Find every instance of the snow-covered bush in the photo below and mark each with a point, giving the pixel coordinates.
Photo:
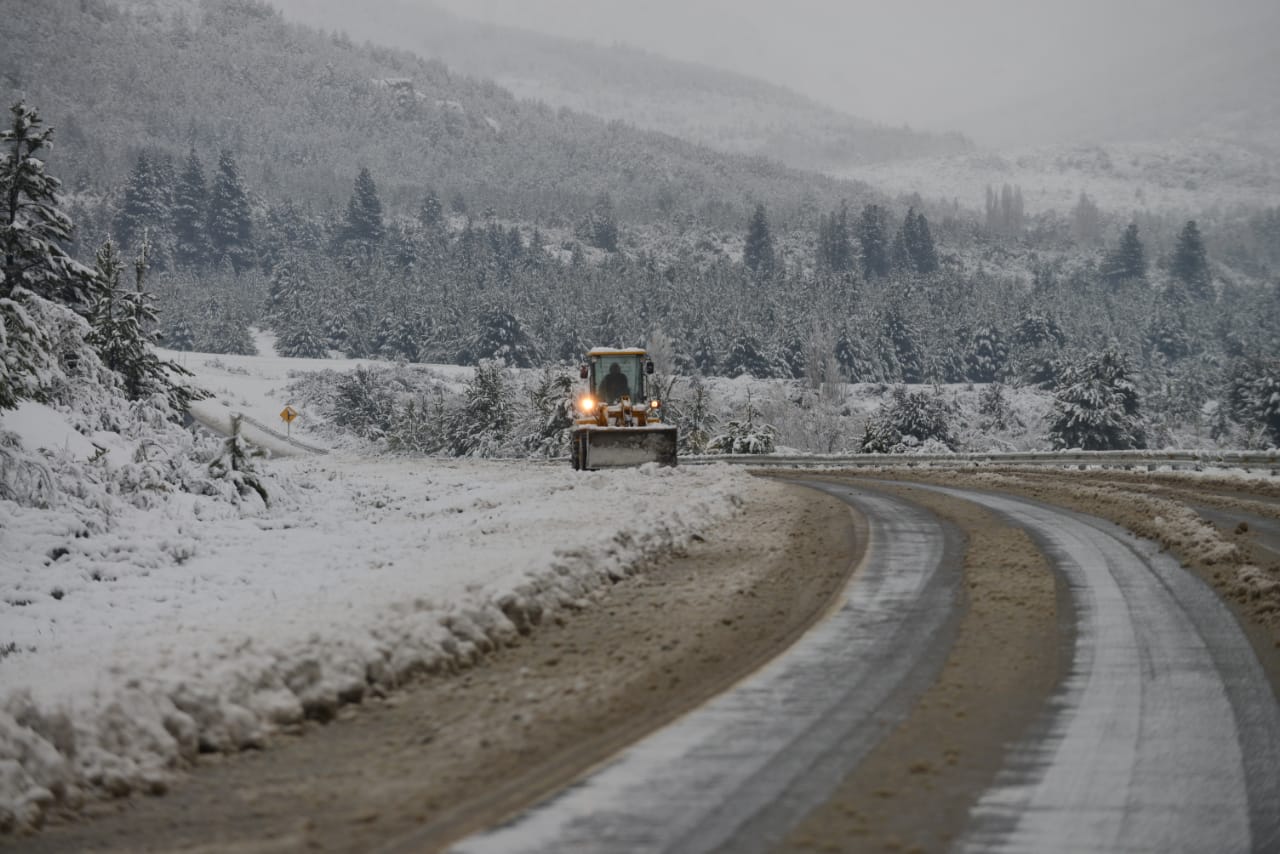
(745, 435)
(483, 424)
(997, 413)
(1253, 393)
(907, 420)
(363, 403)
(1096, 406)
(552, 399)
(691, 412)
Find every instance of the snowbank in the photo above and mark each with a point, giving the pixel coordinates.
(199, 626)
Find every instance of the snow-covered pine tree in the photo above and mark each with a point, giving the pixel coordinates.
(835, 248)
(1128, 262)
(230, 227)
(918, 243)
(757, 250)
(300, 337)
(994, 407)
(1190, 263)
(179, 335)
(600, 228)
(745, 435)
(190, 215)
(901, 334)
(37, 276)
(32, 228)
(363, 228)
(363, 403)
(1096, 407)
(123, 323)
(500, 335)
(482, 427)
(145, 207)
(745, 359)
(873, 237)
(552, 400)
(988, 355)
(1086, 221)
(402, 342)
(288, 291)
(908, 419)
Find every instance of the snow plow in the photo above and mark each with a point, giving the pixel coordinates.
(617, 422)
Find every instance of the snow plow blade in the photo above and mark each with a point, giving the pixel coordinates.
(618, 447)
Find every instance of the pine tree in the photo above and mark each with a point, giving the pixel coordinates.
(757, 251)
(873, 237)
(1086, 221)
(364, 226)
(600, 227)
(35, 265)
(123, 332)
(835, 249)
(32, 228)
(987, 357)
(918, 243)
(1190, 263)
(745, 359)
(230, 226)
(289, 292)
(190, 216)
(1129, 260)
(501, 336)
(483, 425)
(302, 338)
(1096, 406)
(145, 208)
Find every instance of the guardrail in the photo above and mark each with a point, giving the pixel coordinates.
(1151, 460)
(240, 417)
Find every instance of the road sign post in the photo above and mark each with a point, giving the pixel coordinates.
(288, 414)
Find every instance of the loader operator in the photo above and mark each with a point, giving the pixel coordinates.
(614, 385)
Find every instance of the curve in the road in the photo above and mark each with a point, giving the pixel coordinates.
(738, 772)
(1165, 735)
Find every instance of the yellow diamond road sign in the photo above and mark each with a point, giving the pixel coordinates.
(288, 414)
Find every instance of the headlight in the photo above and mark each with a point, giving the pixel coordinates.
(654, 404)
(586, 404)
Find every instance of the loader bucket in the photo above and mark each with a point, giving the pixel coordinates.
(617, 447)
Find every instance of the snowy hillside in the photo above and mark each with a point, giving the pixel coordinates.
(1169, 176)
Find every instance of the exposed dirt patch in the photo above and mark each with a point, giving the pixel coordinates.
(454, 753)
(914, 791)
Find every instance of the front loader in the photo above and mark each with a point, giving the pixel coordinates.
(617, 423)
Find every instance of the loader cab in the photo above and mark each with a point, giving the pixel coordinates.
(613, 374)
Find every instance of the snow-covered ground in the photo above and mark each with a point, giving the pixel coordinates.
(1172, 175)
(128, 644)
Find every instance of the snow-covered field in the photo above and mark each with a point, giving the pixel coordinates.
(128, 645)
(1181, 175)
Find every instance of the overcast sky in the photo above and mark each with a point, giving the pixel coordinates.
(929, 63)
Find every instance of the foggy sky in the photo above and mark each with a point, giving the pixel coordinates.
(939, 64)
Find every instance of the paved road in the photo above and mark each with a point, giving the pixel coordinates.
(1163, 736)
(739, 772)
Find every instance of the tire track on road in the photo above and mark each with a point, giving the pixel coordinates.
(1164, 735)
(739, 772)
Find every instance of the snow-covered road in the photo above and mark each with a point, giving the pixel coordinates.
(1165, 735)
(739, 772)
